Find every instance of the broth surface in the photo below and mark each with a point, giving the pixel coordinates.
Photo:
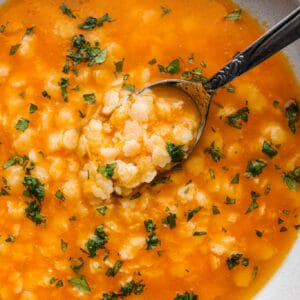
(83, 213)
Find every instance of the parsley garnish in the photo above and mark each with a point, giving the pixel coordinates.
(175, 151)
(15, 160)
(292, 113)
(234, 15)
(10, 239)
(81, 284)
(236, 119)
(215, 152)
(259, 233)
(35, 189)
(215, 210)
(60, 195)
(108, 170)
(170, 220)
(235, 179)
(29, 30)
(33, 212)
(102, 210)
(268, 149)
(2, 28)
(149, 225)
(64, 83)
(165, 11)
(46, 95)
(14, 49)
(136, 288)
(67, 11)
(66, 68)
(172, 68)
(92, 22)
(254, 203)
(190, 214)
(22, 124)
(199, 233)
(89, 98)
(118, 67)
(103, 19)
(32, 108)
(63, 245)
(135, 196)
(255, 168)
(152, 61)
(97, 241)
(186, 296)
(129, 87)
(111, 272)
(230, 89)
(230, 200)
(152, 241)
(76, 264)
(233, 260)
(291, 178)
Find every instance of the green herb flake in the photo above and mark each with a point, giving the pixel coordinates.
(254, 204)
(275, 103)
(103, 19)
(235, 120)
(33, 108)
(212, 174)
(128, 87)
(33, 212)
(29, 30)
(175, 151)
(215, 210)
(89, 98)
(165, 11)
(59, 283)
(199, 233)
(259, 233)
(60, 195)
(52, 280)
(233, 260)
(102, 210)
(234, 15)
(268, 149)
(186, 296)
(108, 170)
(35, 189)
(255, 168)
(192, 212)
(63, 245)
(160, 180)
(76, 264)
(292, 178)
(283, 229)
(14, 49)
(22, 124)
(15, 160)
(81, 114)
(46, 95)
(267, 189)
(2, 28)
(191, 58)
(245, 262)
(235, 179)
(67, 11)
(149, 225)
(214, 151)
(10, 239)
(230, 200)
(172, 68)
(292, 114)
(64, 83)
(152, 61)
(135, 196)
(66, 67)
(254, 272)
(170, 220)
(97, 241)
(230, 89)
(89, 23)
(118, 67)
(152, 241)
(111, 272)
(81, 284)
(136, 288)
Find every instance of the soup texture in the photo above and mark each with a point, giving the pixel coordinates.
(87, 208)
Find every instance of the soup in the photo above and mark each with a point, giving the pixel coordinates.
(87, 208)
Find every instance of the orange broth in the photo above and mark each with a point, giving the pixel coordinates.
(217, 227)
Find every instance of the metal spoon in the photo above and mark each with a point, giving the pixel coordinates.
(279, 36)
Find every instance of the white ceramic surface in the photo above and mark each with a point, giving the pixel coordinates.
(285, 283)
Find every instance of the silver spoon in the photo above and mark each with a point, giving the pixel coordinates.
(279, 36)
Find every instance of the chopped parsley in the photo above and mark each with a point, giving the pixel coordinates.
(63, 245)
(64, 83)
(215, 152)
(259, 233)
(230, 89)
(212, 174)
(76, 264)
(175, 151)
(33, 212)
(135, 196)
(255, 168)
(129, 87)
(35, 189)
(170, 220)
(32, 108)
(172, 68)
(22, 124)
(131, 287)
(92, 22)
(118, 67)
(165, 10)
(14, 49)
(111, 272)
(234, 15)
(235, 120)
(102, 210)
(89, 98)
(60, 195)
(149, 225)
(253, 205)
(97, 241)
(234, 260)
(152, 241)
(81, 284)
(186, 296)
(15, 160)
(194, 75)
(67, 11)
(292, 114)
(235, 179)
(160, 180)
(292, 178)
(199, 233)
(268, 149)
(108, 170)
(152, 61)
(192, 212)
(29, 30)
(2, 28)
(45, 94)
(215, 210)
(10, 239)
(66, 67)
(230, 200)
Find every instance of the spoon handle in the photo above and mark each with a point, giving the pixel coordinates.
(282, 34)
